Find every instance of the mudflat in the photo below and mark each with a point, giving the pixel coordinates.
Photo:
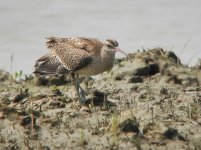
(152, 103)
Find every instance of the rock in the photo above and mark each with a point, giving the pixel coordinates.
(135, 79)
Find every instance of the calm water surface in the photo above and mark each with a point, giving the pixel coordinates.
(170, 24)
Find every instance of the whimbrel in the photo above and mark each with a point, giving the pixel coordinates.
(80, 56)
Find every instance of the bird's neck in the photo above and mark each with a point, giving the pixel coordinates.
(108, 58)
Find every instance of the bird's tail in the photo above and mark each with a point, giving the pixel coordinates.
(49, 65)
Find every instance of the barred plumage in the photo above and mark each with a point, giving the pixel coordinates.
(81, 56)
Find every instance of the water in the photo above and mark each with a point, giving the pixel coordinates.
(170, 24)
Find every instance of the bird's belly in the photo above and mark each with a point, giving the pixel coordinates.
(96, 67)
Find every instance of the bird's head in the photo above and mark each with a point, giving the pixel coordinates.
(112, 45)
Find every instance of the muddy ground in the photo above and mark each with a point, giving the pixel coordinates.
(152, 103)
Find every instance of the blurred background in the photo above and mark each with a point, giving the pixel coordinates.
(171, 24)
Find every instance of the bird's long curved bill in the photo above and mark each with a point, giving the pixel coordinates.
(119, 50)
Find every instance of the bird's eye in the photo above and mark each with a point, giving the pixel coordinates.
(110, 46)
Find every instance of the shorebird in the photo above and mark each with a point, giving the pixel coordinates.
(79, 56)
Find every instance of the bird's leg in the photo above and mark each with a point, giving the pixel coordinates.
(74, 79)
(80, 91)
(86, 82)
(77, 89)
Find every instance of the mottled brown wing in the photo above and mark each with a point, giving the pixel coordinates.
(49, 65)
(72, 58)
(91, 45)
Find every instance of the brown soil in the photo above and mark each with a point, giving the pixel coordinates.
(152, 103)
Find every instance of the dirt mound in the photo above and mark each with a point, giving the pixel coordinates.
(152, 103)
